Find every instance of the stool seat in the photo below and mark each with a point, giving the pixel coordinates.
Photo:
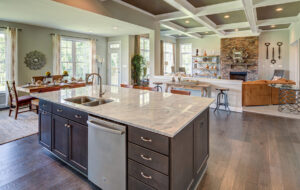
(222, 89)
(158, 83)
(157, 86)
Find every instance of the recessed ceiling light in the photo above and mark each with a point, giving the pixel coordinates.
(226, 16)
(279, 9)
(187, 21)
(115, 28)
(273, 26)
(206, 32)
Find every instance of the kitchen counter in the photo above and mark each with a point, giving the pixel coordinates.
(163, 113)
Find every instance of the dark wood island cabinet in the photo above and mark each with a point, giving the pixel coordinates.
(154, 161)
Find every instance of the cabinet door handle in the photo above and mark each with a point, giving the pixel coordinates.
(146, 158)
(146, 177)
(66, 125)
(43, 112)
(146, 139)
(59, 110)
(77, 116)
(69, 126)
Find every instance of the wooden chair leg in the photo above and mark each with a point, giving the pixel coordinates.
(37, 109)
(30, 106)
(10, 110)
(16, 114)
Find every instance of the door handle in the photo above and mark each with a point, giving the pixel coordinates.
(110, 130)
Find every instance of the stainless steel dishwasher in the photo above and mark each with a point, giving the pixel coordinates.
(106, 154)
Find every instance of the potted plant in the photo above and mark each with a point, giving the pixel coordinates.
(137, 68)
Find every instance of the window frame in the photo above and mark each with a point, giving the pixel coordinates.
(74, 54)
(5, 60)
(171, 54)
(186, 53)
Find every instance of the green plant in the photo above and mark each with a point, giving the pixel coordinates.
(137, 67)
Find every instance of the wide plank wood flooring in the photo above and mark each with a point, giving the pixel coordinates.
(247, 151)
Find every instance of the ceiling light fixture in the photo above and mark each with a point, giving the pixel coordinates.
(226, 16)
(279, 9)
(273, 26)
(187, 21)
(206, 32)
(115, 28)
(236, 29)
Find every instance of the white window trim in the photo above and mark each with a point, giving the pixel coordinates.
(181, 53)
(109, 61)
(74, 40)
(171, 53)
(2, 31)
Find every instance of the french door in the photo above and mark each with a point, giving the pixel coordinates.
(114, 60)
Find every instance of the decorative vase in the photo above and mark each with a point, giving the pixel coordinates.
(205, 54)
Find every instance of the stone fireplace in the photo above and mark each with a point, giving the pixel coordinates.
(249, 66)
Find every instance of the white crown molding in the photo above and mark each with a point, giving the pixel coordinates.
(265, 3)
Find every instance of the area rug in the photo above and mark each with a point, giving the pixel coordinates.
(11, 129)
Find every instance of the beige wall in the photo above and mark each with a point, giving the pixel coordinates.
(265, 67)
(38, 38)
(295, 32)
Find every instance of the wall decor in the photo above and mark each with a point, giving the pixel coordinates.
(273, 61)
(238, 55)
(279, 49)
(35, 60)
(267, 54)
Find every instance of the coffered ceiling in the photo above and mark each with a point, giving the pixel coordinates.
(198, 18)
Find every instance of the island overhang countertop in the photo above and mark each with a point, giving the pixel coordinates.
(161, 113)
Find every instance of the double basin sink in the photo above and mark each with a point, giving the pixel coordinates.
(88, 101)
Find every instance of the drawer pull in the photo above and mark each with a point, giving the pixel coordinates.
(44, 105)
(146, 139)
(66, 125)
(59, 110)
(146, 177)
(78, 116)
(44, 112)
(145, 158)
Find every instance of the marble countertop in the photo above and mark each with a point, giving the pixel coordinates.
(162, 113)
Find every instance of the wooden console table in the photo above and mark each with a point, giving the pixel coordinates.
(203, 87)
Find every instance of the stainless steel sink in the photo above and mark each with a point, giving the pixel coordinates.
(88, 101)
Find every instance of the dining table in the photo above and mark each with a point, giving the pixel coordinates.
(34, 88)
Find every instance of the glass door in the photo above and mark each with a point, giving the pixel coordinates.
(115, 63)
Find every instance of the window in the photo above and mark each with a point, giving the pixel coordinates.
(145, 51)
(186, 57)
(168, 58)
(3, 69)
(75, 57)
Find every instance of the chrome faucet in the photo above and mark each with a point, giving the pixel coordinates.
(87, 76)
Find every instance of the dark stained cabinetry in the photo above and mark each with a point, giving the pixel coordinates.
(159, 162)
(45, 129)
(64, 131)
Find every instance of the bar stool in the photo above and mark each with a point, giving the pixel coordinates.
(157, 86)
(222, 95)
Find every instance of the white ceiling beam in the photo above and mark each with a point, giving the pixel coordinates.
(264, 3)
(244, 33)
(179, 29)
(188, 9)
(220, 8)
(233, 26)
(171, 16)
(276, 21)
(197, 29)
(250, 12)
(169, 32)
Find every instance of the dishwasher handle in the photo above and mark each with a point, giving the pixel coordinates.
(103, 128)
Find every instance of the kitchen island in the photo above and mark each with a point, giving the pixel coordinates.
(167, 136)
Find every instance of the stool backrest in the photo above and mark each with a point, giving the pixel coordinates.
(181, 92)
(144, 88)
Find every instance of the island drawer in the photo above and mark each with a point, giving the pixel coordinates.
(149, 158)
(151, 177)
(134, 184)
(69, 113)
(44, 105)
(153, 141)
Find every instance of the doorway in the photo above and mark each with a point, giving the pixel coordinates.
(114, 60)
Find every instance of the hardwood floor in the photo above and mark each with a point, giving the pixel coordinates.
(247, 151)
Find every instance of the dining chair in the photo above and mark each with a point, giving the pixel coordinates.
(126, 86)
(181, 92)
(16, 102)
(144, 88)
